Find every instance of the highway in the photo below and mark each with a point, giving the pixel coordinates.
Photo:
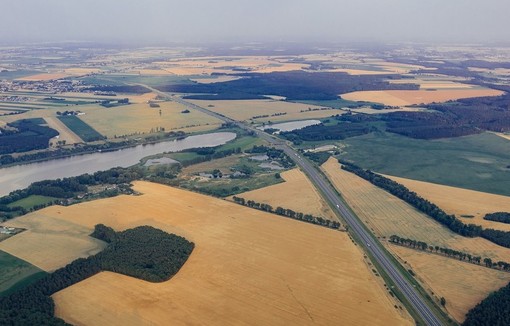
(370, 243)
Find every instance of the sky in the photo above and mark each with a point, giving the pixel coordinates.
(201, 21)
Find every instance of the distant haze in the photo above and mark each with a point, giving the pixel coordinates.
(165, 21)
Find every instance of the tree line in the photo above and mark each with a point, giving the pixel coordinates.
(499, 237)
(67, 188)
(423, 246)
(288, 213)
(143, 252)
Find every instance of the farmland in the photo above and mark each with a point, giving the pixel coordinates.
(296, 185)
(387, 215)
(476, 162)
(469, 205)
(141, 118)
(410, 97)
(245, 262)
(49, 242)
(265, 110)
(463, 285)
(80, 128)
(208, 65)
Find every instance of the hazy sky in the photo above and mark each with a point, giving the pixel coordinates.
(160, 21)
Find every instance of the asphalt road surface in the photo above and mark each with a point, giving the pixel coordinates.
(371, 244)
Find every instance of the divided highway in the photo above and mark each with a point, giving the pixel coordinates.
(371, 244)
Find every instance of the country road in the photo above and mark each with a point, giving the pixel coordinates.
(372, 245)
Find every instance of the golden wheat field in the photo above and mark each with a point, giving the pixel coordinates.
(50, 242)
(248, 267)
(209, 65)
(410, 97)
(387, 215)
(458, 201)
(247, 109)
(462, 284)
(140, 117)
(296, 193)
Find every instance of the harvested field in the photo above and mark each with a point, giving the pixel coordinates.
(387, 215)
(460, 201)
(248, 267)
(246, 109)
(408, 97)
(296, 193)
(368, 110)
(506, 136)
(65, 134)
(49, 242)
(218, 79)
(133, 118)
(209, 65)
(434, 83)
(45, 76)
(462, 284)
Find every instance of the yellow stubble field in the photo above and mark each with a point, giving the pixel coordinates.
(140, 117)
(248, 267)
(460, 201)
(209, 65)
(387, 215)
(49, 241)
(462, 284)
(410, 97)
(242, 110)
(296, 193)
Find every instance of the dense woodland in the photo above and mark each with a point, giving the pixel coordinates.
(453, 119)
(501, 238)
(320, 132)
(503, 217)
(25, 135)
(294, 85)
(143, 252)
(493, 310)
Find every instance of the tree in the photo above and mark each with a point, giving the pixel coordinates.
(443, 301)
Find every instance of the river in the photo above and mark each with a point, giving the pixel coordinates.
(21, 176)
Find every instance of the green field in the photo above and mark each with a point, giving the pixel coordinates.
(32, 201)
(478, 162)
(227, 187)
(16, 273)
(121, 80)
(9, 75)
(83, 130)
